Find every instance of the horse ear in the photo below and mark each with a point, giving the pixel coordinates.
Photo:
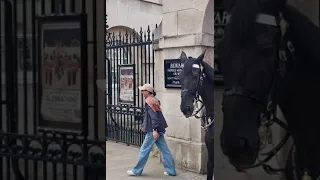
(183, 56)
(201, 57)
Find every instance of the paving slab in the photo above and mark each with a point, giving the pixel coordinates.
(121, 158)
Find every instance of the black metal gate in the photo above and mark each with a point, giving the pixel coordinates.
(28, 152)
(130, 52)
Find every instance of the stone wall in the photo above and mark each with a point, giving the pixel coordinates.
(133, 13)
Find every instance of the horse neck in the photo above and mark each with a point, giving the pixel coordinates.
(207, 96)
(209, 72)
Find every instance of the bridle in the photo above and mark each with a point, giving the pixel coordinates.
(268, 117)
(206, 120)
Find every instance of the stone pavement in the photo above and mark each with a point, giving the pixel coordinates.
(121, 158)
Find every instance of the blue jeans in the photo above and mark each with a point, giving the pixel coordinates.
(145, 150)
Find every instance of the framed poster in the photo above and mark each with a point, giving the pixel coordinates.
(62, 48)
(127, 87)
(172, 69)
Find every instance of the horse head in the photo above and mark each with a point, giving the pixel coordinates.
(191, 80)
(249, 60)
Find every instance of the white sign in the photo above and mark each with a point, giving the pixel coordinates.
(64, 106)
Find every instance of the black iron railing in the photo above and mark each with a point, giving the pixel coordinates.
(28, 152)
(133, 51)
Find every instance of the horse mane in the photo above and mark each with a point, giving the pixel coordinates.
(209, 71)
(304, 34)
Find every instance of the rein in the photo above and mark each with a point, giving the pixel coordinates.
(268, 117)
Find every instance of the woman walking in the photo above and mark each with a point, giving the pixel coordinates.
(154, 125)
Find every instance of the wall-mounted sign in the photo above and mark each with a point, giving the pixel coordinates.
(220, 20)
(127, 83)
(172, 69)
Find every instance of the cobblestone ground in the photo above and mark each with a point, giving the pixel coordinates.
(121, 158)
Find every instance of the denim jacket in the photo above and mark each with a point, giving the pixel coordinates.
(153, 119)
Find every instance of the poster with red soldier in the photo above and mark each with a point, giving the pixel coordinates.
(126, 75)
(61, 73)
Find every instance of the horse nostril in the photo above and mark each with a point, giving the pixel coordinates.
(185, 109)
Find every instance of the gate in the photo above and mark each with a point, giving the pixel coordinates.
(35, 144)
(130, 63)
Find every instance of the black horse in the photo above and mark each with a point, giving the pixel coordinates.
(265, 63)
(196, 79)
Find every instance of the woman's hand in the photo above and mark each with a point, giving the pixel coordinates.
(155, 135)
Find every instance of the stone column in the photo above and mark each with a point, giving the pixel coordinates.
(186, 26)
